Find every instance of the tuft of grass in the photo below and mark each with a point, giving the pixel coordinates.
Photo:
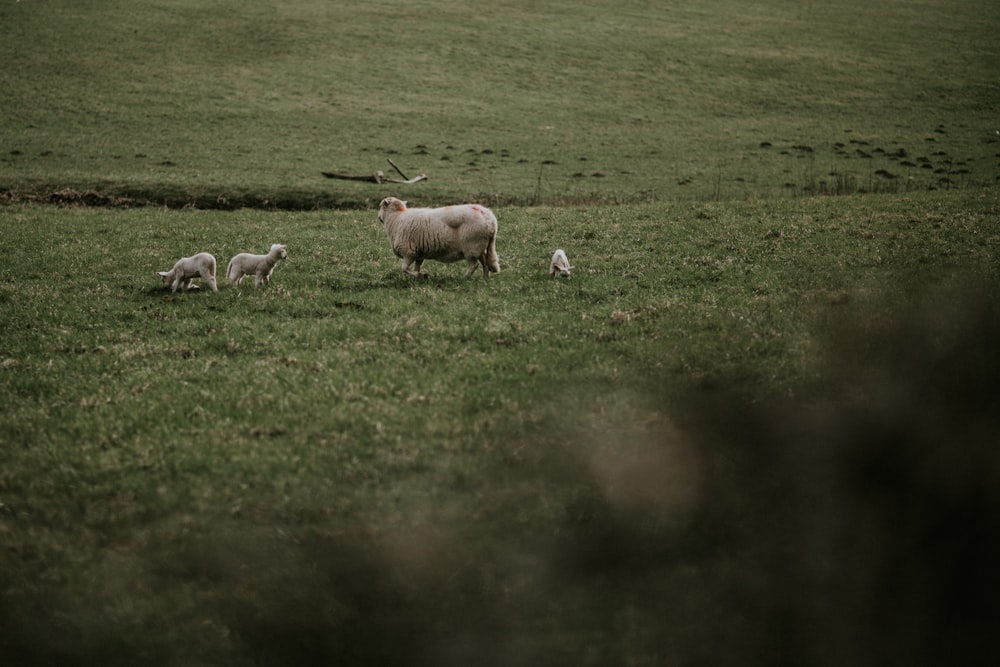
(350, 465)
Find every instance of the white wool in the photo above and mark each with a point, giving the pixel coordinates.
(260, 266)
(559, 264)
(186, 268)
(447, 234)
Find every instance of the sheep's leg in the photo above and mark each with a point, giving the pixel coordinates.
(407, 262)
(472, 266)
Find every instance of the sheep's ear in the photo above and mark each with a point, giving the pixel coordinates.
(162, 274)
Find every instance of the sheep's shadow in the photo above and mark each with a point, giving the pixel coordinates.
(161, 293)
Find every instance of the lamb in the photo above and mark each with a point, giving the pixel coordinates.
(261, 266)
(186, 268)
(447, 234)
(560, 264)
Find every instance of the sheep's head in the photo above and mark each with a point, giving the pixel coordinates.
(166, 276)
(279, 250)
(390, 204)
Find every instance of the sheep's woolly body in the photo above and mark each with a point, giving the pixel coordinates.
(186, 268)
(446, 234)
(260, 266)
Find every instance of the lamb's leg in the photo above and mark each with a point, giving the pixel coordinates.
(471, 267)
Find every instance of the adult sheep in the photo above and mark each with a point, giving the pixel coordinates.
(445, 234)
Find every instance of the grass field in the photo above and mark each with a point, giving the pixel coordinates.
(756, 426)
(352, 465)
(221, 104)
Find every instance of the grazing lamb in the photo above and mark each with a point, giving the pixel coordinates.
(560, 264)
(446, 234)
(261, 266)
(186, 268)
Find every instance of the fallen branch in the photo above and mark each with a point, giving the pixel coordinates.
(378, 177)
(399, 171)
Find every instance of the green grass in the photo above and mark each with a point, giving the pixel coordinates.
(756, 426)
(353, 465)
(221, 104)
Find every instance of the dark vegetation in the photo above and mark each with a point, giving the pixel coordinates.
(855, 166)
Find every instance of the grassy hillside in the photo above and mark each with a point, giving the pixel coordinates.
(228, 104)
(732, 420)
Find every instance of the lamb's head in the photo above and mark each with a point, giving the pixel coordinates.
(390, 205)
(560, 264)
(167, 277)
(279, 251)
